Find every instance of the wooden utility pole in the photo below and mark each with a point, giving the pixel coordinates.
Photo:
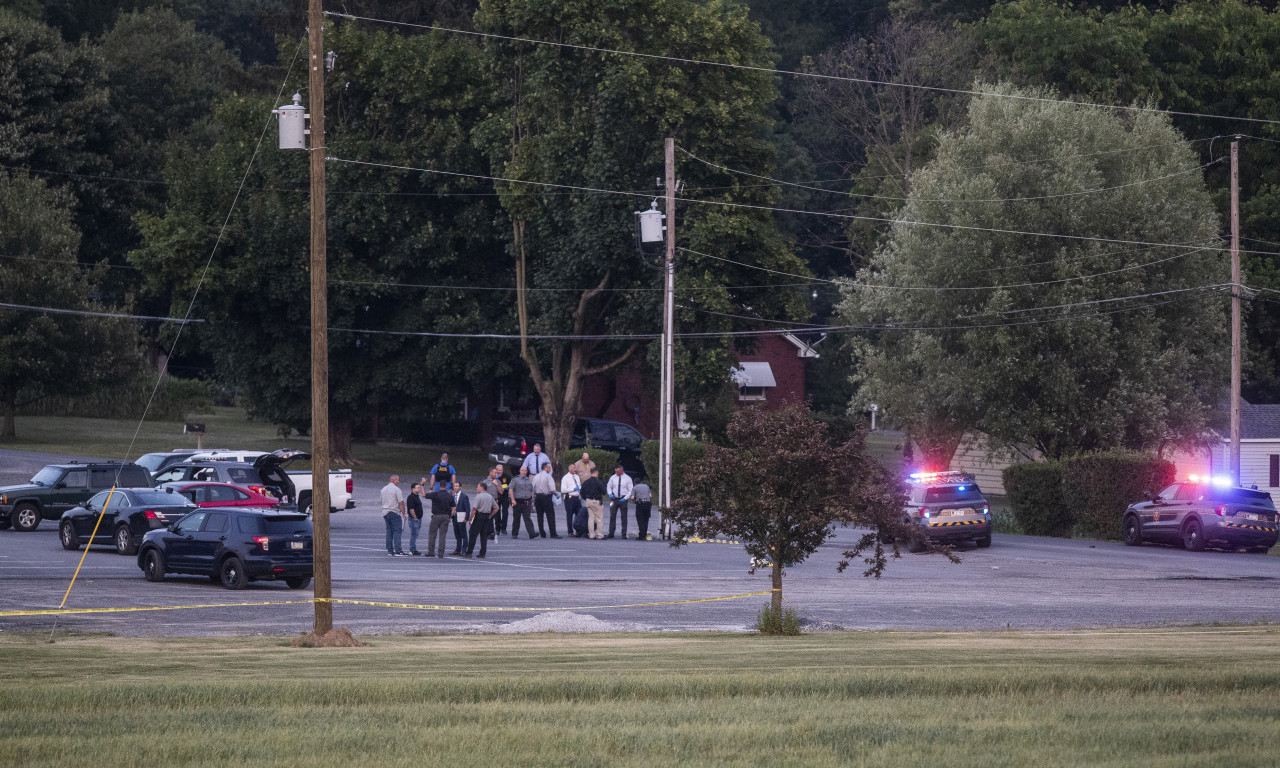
(319, 329)
(1235, 311)
(667, 427)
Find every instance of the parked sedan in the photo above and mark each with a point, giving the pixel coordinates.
(126, 515)
(234, 545)
(222, 495)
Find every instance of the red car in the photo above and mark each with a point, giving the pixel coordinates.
(222, 495)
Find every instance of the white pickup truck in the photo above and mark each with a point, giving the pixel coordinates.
(341, 486)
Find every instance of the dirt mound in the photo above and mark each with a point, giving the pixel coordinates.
(338, 637)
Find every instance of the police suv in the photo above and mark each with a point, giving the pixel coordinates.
(947, 507)
(1203, 511)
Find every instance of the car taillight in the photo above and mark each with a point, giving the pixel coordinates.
(262, 489)
(924, 511)
(1221, 510)
(524, 447)
(986, 510)
(262, 541)
(153, 515)
(351, 485)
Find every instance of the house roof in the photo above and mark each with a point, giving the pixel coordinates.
(1259, 422)
(802, 349)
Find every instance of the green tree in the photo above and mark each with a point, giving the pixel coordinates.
(1027, 338)
(586, 119)
(400, 100)
(45, 352)
(780, 485)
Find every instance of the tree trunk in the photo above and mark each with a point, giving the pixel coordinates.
(10, 403)
(776, 599)
(340, 440)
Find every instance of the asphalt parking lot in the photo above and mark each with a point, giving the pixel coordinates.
(1019, 583)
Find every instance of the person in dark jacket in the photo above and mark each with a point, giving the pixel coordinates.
(413, 504)
(593, 493)
(461, 511)
(441, 513)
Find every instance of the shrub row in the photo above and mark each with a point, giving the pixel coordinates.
(684, 451)
(605, 460)
(1082, 496)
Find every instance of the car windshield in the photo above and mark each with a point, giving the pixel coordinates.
(151, 461)
(1242, 496)
(945, 493)
(47, 476)
(161, 498)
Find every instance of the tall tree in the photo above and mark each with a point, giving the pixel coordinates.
(1030, 338)
(49, 352)
(402, 101)
(588, 120)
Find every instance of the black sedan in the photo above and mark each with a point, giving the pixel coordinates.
(126, 514)
(232, 545)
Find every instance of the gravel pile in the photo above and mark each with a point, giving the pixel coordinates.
(565, 621)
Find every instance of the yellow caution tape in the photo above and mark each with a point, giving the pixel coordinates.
(411, 606)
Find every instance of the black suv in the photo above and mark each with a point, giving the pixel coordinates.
(59, 487)
(1200, 512)
(233, 545)
(623, 439)
(947, 507)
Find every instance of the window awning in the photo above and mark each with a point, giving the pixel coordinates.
(754, 375)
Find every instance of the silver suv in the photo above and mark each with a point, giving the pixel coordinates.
(947, 507)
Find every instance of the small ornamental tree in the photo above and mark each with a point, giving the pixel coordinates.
(780, 486)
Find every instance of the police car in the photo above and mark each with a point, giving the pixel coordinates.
(1203, 512)
(947, 507)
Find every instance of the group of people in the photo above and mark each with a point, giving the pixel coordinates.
(439, 499)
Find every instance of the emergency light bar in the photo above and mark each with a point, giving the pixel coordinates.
(1222, 481)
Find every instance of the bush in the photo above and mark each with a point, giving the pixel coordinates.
(1035, 494)
(127, 398)
(770, 622)
(684, 451)
(605, 460)
(1101, 485)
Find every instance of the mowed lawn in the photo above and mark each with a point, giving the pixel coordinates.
(1189, 697)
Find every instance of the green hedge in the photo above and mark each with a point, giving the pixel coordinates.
(1102, 485)
(605, 460)
(1083, 496)
(1034, 492)
(684, 451)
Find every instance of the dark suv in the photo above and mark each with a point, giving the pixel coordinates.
(1200, 512)
(947, 507)
(510, 449)
(59, 487)
(232, 545)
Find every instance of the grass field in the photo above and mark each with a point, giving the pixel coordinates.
(227, 428)
(1191, 697)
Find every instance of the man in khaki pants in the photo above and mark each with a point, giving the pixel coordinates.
(593, 492)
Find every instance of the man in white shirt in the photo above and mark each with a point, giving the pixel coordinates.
(620, 488)
(570, 487)
(544, 486)
(394, 515)
(535, 461)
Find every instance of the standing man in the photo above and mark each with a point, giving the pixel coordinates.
(482, 513)
(504, 500)
(522, 494)
(569, 490)
(544, 486)
(593, 492)
(461, 513)
(535, 461)
(585, 465)
(442, 503)
(393, 515)
(620, 487)
(443, 474)
(644, 503)
(413, 505)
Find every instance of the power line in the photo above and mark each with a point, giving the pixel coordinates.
(794, 73)
(88, 313)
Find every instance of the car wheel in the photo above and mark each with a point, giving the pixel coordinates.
(983, 542)
(153, 565)
(231, 573)
(1132, 530)
(26, 517)
(67, 535)
(298, 582)
(304, 503)
(125, 543)
(1193, 536)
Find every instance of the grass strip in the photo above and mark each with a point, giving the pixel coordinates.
(1153, 698)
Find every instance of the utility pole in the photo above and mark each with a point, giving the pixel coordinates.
(667, 410)
(1235, 311)
(319, 329)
